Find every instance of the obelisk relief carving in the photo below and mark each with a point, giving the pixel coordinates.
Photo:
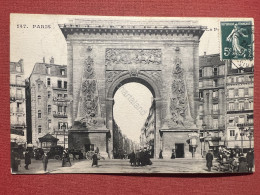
(89, 114)
(180, 116)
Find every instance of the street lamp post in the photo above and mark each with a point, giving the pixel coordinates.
(250, 137)
(204, 127)
(64, 128)
(241, 128)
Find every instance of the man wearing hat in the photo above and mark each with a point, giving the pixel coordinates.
(209, 159)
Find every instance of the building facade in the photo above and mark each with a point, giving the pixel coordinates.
(212, 108)
(17, 103)
(48, 103)
(147, 131)
(240, 105)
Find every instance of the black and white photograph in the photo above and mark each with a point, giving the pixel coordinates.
(137, 95)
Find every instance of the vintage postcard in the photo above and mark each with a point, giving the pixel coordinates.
(93, 94)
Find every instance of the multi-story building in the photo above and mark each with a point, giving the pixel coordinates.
(240, 91)
(17, 103)
(121, 144)
(147, 131)
(48, 103)
(212, 101)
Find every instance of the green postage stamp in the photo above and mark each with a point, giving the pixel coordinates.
(236, 40)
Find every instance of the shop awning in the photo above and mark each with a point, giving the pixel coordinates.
(48, 138)
(213, 143)
(17, 132)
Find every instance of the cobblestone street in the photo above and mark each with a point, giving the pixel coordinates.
(118, 166)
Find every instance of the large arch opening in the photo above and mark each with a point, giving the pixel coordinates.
(133, 117)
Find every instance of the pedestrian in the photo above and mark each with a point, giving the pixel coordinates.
(142, 157)
(95, 159)
(14, 160)
(137, 158)
(250, 160)
(242, 167)
(97, 150)
(65, 157)
(45, 161)
(27, 159)
(209, 159)
(132, 158)
(173, 154)
(160, 155)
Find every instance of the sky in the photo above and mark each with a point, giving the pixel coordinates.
(32, 44)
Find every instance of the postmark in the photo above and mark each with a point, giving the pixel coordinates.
(236, 40)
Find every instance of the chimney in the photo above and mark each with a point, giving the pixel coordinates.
(52, 60)
(43, 59)
(205, 54)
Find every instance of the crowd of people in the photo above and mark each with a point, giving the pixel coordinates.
(140, 158)
(232, 160)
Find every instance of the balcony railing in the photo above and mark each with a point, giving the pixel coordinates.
(59, 88)
(61, 99)
(245, 124)
(60, 115)
(18, 124)
(14, 98)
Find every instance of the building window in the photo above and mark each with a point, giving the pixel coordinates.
(62, 71)
(201, 73)
(215, 71)
(231, 106)
(200, 94)
(49, 94)
(48, 82)
(18, 80)
(39, 114)
(231, 93)
(232, 80)
(39, 99)
(65, 109)
(59, 84)
(49, 109)
(59, 95)
(241, 119)
(251, 105)
(60, 125)
(251, 91)
(241, 106)
(215, 123)
(232, 133)
(246, 104)
(39, 129)
(48, 70)
(19, 94)
(215, 83)
(49, 124)
(246, 91)
(215, 94)
(39, 87)
(241, 92)
(65, 95)
(59, 108)
(215, 107)
(65, 84)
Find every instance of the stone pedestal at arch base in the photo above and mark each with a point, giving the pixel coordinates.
(174, 136)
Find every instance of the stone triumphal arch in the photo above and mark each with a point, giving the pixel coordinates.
(104, 54)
